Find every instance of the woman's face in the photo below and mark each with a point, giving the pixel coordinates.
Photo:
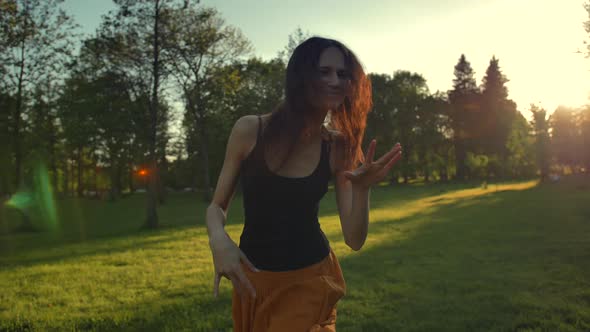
(332, 80)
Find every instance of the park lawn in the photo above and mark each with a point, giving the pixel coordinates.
(513, 256)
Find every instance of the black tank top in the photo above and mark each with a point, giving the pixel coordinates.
(281, 229)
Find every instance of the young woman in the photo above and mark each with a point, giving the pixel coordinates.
(285, 276)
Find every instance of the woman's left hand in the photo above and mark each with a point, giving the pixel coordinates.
(372, 172)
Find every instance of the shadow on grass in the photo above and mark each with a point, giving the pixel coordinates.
(503, 263)
(98, 246)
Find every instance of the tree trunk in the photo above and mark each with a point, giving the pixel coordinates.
(66, 179)
(52, 162)
(160, 182)
(17, 115)
(394, 179)
(152, 214)
(460, 160)
(151, 211)
(443, 174)
(130, 172)
(114, 191)
(95, 178)
(79, 172)
(207, 192)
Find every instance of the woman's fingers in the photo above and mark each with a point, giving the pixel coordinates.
(216, 284)
(245, 284)
(239, 280)
(371, 152)
(391, 162)
(236, 285)
(387, 157)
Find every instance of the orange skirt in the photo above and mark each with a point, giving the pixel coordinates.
(298, 300)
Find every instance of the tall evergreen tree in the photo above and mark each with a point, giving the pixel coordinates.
(498, 113)
(463, 100)
(541, 132)
(564, 136)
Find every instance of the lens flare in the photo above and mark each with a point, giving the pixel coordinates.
(37, 202)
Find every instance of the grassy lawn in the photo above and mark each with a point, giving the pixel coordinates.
(510, 257)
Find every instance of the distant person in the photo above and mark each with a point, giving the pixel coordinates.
(285, 276)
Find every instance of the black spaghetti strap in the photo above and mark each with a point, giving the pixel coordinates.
(259, 128)
(328, 141)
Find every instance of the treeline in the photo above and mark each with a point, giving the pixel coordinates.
(149, 99)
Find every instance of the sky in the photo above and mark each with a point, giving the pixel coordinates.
(536, 41)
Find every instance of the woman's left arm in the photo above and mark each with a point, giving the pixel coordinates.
(352, 193)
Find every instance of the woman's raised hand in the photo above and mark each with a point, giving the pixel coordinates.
(372, 172)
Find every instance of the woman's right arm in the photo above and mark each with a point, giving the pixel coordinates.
(227, 256)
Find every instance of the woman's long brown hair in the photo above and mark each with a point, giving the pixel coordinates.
(289, 121)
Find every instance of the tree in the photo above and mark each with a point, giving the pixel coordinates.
(584, 130)
(520, 146)
(6, 162)
(432, 136)
(541, 133)
(38, 40)
(44, 133)
(564, 137)
(113, 114)
(135, 38)
(295, 38)
(76, 113)
(498, 113)
(410, 92)
(464, 108)
(201, 46)
(251, 87)
(8, 15)
(381, 120)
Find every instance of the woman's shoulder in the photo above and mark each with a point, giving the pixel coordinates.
(245, 132)
(248, 124)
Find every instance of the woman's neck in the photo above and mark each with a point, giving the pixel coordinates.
(316, 127)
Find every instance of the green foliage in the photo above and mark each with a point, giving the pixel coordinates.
(6, 144)
(464, 112)
(36, 43)
(520, 162)
(564, 134)
(477, 164)
(295, 38)
(498, 112)
(405, 112)
(541, 131)
(201, 48)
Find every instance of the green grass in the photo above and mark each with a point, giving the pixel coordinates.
(512, 257)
